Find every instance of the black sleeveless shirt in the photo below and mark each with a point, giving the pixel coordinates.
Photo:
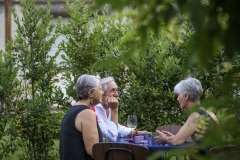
(71, 140)
(197, 136)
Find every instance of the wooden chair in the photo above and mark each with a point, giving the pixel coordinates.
(170, 128)
(224, 152)
(119, 151)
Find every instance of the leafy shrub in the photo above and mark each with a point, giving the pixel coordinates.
(36, 127)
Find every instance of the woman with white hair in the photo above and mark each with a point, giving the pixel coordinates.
(79, 127)
(189, 92)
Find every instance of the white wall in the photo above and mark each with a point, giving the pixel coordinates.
(2, 26)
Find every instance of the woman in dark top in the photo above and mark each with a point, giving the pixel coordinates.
(79, 128)
(189, 93)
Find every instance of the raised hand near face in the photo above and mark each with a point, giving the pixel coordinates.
(113, 103)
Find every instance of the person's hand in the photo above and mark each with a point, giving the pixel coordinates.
(167, 133)
(113, 103)
(144, 132)
(160, 138)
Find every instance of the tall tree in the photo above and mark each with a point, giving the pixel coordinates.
(37, 127)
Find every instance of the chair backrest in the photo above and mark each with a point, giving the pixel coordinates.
(170, 128)
(119, 151)
(225, 152)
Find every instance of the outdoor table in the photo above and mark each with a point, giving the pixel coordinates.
(154, 147)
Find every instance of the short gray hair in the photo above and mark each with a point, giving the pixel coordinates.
(85, 83)
(105, 81)
(192, 86)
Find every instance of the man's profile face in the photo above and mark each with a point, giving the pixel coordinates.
(112, 91)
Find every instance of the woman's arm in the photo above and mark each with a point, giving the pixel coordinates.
(185, 132)
(87, 125)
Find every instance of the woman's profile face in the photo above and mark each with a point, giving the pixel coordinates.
(182, 99)
(97, 94)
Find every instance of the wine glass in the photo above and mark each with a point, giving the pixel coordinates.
(132, 122)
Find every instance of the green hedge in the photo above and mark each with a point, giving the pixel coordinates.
(146, 66)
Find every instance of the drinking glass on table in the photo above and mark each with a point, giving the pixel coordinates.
(132, 122)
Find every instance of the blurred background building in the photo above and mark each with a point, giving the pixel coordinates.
(7, 25)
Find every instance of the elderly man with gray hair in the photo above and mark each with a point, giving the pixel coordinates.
(107, 113)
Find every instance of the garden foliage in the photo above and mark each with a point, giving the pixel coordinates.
(35, 127)
(146, 52)
(8, 90)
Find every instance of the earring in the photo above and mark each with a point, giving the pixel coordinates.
(91, 102)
